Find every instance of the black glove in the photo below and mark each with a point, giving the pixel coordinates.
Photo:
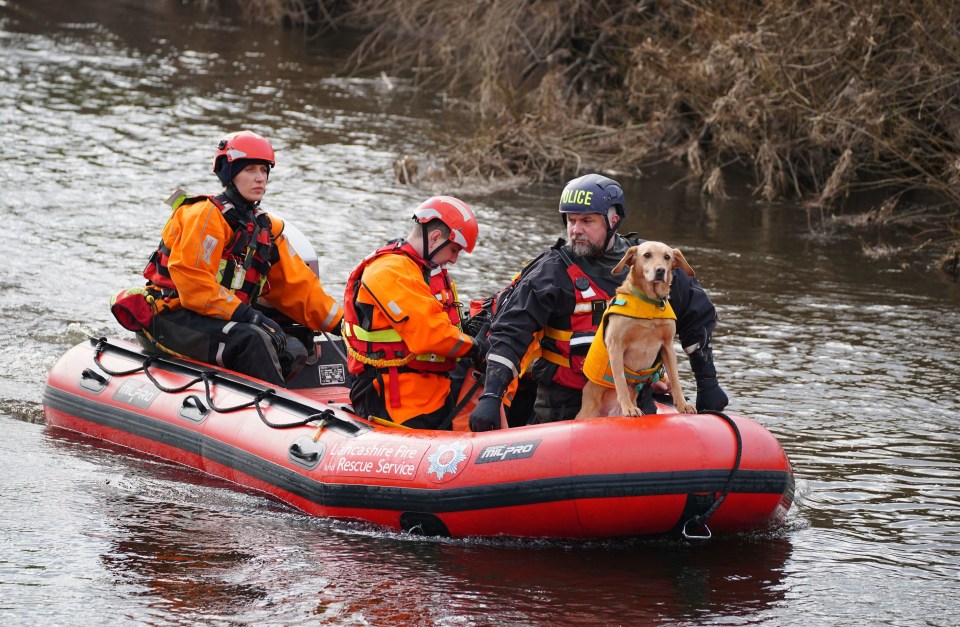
(473, 325)
(277, 336)
(478, 353)
(710, 396)
(486, 415)
(246, 313)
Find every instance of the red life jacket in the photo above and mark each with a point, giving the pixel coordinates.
(246, 261)
(383, 348)
(567, 344)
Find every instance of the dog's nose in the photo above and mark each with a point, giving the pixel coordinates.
(660, 274)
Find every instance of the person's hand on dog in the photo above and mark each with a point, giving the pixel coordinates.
(662, 386)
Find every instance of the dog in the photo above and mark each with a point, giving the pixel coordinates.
(635, 343)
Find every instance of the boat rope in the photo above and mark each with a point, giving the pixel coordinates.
(208, 376)
(700, 520)
(380, 363)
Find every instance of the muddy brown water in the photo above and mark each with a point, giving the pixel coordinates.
(105, 108)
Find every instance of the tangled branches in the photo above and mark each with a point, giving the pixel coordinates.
(818, 98)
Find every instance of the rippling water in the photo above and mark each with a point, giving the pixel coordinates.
(107, 107)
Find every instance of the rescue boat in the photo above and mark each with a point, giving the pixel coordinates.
(696, 475)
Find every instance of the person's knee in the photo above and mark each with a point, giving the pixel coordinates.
(248, 349)
(293, 358)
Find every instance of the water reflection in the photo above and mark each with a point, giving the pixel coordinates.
(180, 557)
(192, 548)
(851, 362)
(638, 583)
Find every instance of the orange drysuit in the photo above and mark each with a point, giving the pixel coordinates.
(402, 330)
(197, 236)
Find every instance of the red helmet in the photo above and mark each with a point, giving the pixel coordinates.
(244, 146)
(456, 214)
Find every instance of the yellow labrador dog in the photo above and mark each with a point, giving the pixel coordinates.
(635, 336)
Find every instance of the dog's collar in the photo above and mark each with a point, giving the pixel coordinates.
(659, 302)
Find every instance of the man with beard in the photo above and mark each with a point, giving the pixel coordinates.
(558, 301)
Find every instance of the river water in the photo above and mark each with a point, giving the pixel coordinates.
(106, 107)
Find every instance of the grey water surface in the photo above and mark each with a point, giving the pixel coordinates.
(106, 107)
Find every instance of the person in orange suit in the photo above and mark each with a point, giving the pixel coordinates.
(402, 319)
(218, 255)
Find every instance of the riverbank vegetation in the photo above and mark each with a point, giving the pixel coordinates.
(818, 100)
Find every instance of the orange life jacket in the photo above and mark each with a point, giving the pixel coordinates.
(247, 260)
(384, 347)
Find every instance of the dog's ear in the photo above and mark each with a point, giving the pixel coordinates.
(680, 262)
(627, 259)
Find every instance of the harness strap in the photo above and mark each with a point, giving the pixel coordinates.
(384, 336)
(380, 363)
(394, 388)
(645, 377)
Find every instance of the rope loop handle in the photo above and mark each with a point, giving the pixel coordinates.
(700, 520)
(208, 377)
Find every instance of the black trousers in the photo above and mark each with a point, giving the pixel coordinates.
(555, 402)
(238, 346)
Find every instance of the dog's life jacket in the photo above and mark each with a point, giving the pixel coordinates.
(634, 305)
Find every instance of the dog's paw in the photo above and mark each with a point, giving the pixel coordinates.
(684, 407)
(632, 411)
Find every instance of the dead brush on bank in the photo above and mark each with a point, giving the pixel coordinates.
(819, 99)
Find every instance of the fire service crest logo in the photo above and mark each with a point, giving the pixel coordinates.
(446, 460)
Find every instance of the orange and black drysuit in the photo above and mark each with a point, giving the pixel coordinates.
(563, 297)
(402, 329)
(217, 256)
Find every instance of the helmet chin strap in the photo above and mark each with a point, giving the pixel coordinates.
(606, 241)
(427, 253)
(611, 229)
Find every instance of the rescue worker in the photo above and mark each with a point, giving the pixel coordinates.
(402, 319)
(218, 255)
(560, 298)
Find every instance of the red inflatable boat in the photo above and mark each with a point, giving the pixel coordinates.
(695, 475)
